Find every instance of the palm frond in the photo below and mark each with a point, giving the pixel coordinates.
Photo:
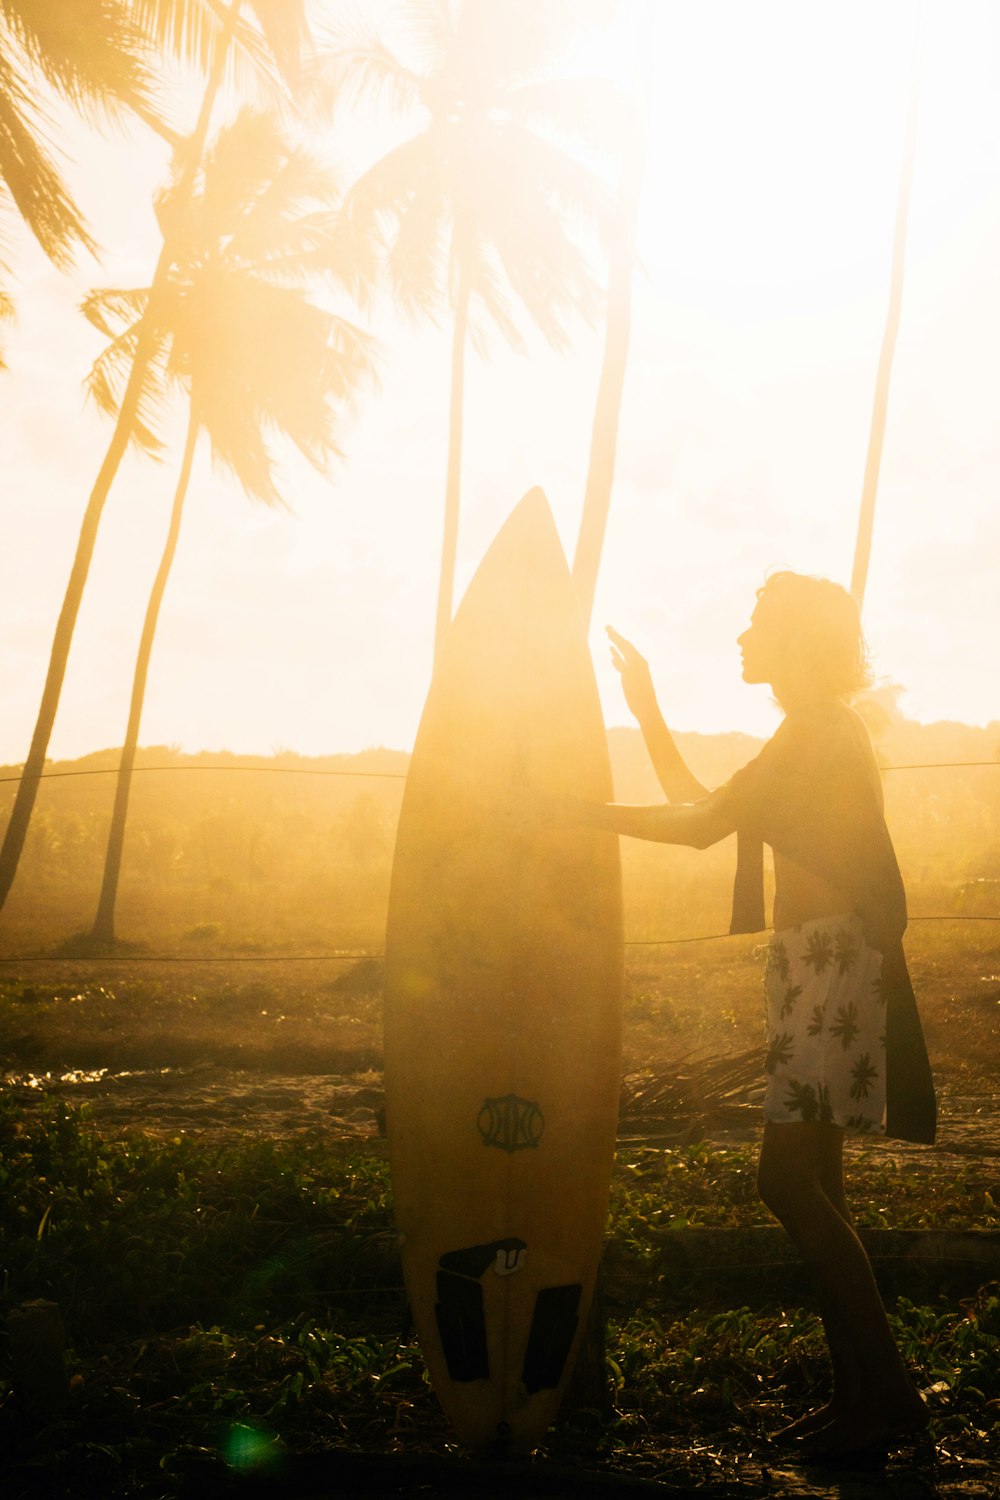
(274, 191)
(355, 354)
(547, 271)
(32, 178)
(291, 252)
(186, 29)
(105, 385)
(285, 29)
(242, 448)
(502, 46)
(89, 51)
(489, 305)
(258, 359)
(238, 447)
(589, 112)
(417, 260)
(406, 181)
(582, 198)
(314, 247)
(428, 27)
(191, 29)
(691, 1087)
(112, 310)
(240, 163)
(153, 116)
(353, 66)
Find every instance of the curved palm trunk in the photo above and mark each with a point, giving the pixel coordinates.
(880, 405)
(607, 410)
(453, 482)
(24, 800)
(104, 922)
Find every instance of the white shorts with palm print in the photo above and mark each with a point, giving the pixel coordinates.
(825, 1026)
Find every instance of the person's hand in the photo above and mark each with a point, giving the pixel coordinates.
(633, 668)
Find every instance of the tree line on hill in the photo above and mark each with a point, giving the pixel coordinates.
(219, 832)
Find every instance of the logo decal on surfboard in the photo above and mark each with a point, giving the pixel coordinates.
(510, 1123)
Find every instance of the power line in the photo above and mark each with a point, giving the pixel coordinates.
(931, 765)
(256, 770)
(942, 765)
(185, 958)
(707, 937)
(321, 958)
(711, 937)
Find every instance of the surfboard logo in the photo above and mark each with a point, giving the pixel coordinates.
(511, 1123)
(460, 1310)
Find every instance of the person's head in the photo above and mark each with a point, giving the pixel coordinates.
(805, 639)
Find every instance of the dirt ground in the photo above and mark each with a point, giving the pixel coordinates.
(216, 1102)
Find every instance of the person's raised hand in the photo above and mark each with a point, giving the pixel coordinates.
(633, 668)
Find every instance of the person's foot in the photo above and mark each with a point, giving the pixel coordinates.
(867, 1429)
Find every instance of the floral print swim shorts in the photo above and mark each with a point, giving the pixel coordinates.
(825, 1026)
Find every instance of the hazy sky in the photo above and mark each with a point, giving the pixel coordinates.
(774, 148)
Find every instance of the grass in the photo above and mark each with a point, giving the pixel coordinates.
(232, 1302)
(228, 1304)
(325, 1015)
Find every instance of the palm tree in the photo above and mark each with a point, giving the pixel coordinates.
(97, 56)
(479, 207)
(132, 424)
(618, 328)
(883, 377)
(607, 408)
(91, 54)
(258, 45)
(238, 334)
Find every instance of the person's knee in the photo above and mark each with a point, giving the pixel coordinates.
(787, 1180)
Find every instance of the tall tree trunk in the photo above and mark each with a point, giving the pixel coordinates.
(104, 922)
(880, 406)
(24, 800)
(607, 410)
(453, 482)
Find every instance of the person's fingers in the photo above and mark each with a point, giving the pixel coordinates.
(626, 647)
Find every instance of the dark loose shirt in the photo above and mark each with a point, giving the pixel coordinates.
(814, 794)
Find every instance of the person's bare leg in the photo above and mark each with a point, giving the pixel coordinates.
(799, 1179)
(847, 1381)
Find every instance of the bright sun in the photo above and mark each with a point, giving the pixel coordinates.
(775, 139)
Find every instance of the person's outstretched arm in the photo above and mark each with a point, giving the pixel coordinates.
(678, 782)
(697, 824)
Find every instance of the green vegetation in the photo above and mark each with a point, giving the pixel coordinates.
(712, 1187)
(228, 1304)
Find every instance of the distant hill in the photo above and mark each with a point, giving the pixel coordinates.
(290, 849)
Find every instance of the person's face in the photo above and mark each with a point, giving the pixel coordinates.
(762, 645)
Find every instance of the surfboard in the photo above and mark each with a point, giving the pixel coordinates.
(503, 992)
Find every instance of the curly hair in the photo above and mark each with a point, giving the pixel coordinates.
(821, 624)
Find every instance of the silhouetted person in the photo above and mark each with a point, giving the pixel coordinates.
(845, 1048)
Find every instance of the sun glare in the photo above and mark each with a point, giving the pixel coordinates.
(774, 137)
(773, 148)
